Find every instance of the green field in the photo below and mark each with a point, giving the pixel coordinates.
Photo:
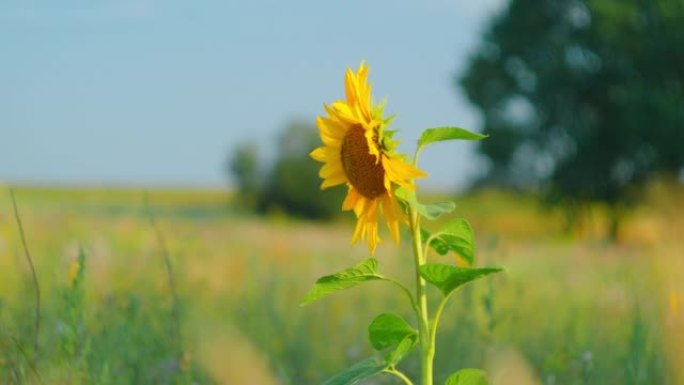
(571, 308)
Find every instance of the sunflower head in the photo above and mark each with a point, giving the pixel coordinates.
(359, 151)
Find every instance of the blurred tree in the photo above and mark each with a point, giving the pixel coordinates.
(293, 184)
(244, 167)
(582, 97)
(290, 184)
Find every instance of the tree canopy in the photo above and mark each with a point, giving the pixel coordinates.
(584, 98)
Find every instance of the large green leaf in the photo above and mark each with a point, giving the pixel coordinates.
(430, 210)
(468, 377)
(388, 330)
(448, 278)
(353, 374)
(440, 134)
(364, 271)
(456, 236)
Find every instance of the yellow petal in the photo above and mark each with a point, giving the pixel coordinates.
(345, 112)
(401, 173)
(350, 87)
(360, 204)
(363, 91)
(318, 154)
(326, 154)
(360, 228)
(329, 169)
(391, 216)
(371, 219)
(331, 128)
(351, 199)
(334, 180)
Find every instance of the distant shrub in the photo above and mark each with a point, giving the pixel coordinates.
(291, 183)
(244, 166)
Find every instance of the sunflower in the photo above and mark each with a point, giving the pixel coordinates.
(358, 150)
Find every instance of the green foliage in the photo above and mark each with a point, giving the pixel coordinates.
(448, 278)
(355, 373)
(290, 183)
(388, 330)
(440, 134)
(244, 167)
(582, 98)
(457, 235)
(117, 340)
(405, 346)
(430, 211)
(362, 272)
(74, 341)
(468, 377)
(128, 325)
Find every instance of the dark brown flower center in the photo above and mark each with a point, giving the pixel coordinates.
(363, 170)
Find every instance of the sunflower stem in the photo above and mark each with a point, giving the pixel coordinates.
(426, 341)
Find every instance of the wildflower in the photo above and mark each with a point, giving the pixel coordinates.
(358, 150)
(74, 271)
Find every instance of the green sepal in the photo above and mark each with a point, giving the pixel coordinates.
(430, 211)
(439, 134)
(457, 235)
(357, 372)
(379, 109)
(448, 278)
(387, 142)
(362, 272)
(468, 377)
(388, 120)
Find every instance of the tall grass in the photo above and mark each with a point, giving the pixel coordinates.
(116, 338)
(201, 295)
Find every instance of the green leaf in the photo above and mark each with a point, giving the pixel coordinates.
(431, 210)
(468, 377)
(456, 236)
(440, 134)
(388, 330)
(436, 209)
(353, 374)
(448, 278)
(364, 271)
(404, 348)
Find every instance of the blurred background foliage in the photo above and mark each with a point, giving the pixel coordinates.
(569, 310)
(289, 183)
(583, 100)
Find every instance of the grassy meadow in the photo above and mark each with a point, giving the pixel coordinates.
(570, 309)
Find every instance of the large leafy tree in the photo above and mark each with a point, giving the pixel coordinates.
(584, 98)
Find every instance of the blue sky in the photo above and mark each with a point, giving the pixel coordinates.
(145, 92)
